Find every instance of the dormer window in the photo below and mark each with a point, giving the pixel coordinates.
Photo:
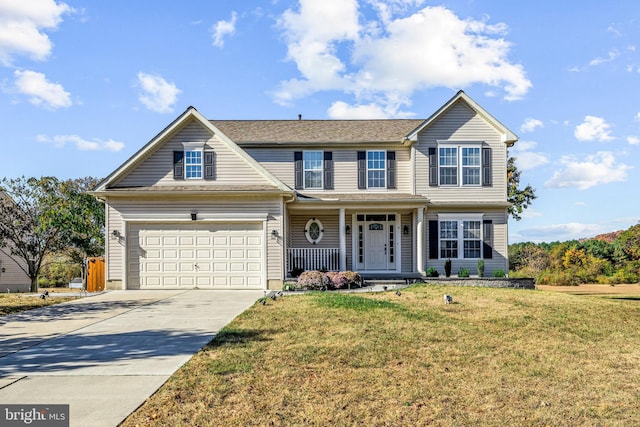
(194, 162)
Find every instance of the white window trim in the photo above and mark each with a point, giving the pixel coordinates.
(459, 145)
(384, 157)
(194, 146)
(306, 231)
(461, 218)
(304, 170)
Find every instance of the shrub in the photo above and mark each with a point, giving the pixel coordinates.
(296, 272)
(432, 272)
(317, 280)
(480, 268)
(312, 280)
(354, 279)
(447, 268)
(499, 273)
(463, 272)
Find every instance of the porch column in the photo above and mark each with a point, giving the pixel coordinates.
(420, 240)
(343, 241)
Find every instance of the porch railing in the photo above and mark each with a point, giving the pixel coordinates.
(313, 259)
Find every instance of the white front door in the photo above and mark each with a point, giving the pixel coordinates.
(376, 242)
(375, 236)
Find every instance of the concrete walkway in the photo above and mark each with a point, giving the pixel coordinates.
(105, 354)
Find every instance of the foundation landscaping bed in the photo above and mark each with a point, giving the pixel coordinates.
(494, 357)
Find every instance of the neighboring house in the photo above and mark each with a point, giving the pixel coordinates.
(244, 203)
(12, 277)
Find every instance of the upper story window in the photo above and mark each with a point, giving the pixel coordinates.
(313, 170)
(193, 162)
(376, 169)
(458, 165)
(312, 163)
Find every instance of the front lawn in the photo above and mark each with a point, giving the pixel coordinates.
(494, 357)
(17, 302)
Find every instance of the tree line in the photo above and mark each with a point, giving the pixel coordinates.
(611, 259)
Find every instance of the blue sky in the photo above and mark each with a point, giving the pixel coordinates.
(84, 84)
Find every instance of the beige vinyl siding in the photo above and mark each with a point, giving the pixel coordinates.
(500, 245)
(279, 161)
(407, 243)
(461, 123)
(330, 237)
(114, 246)
(13, 278)
(157, 168)
(179, 210)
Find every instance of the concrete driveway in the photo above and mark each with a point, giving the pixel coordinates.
(105, 354)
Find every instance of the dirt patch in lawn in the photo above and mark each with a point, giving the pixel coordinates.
(632, 289)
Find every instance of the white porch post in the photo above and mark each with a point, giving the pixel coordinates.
(420, 240)
(343, 241)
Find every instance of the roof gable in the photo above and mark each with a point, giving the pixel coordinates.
(190, 117)
(507, 136)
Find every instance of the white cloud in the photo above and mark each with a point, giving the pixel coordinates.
(613, 54)
(526, 159)
(530, 125)
(41, 92)
(342, 110)
(633, 140)
(561, 232)
(224, 28)
(59, 141)
(157, 94)
(593, 128)
(21, 28)
(386, 59)
(597, 169)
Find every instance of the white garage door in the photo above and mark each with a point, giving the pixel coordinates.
(225, 256)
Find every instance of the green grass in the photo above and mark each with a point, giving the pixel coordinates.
(15, 303)
(495, 357)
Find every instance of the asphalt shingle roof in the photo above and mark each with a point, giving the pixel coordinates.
(316, 131)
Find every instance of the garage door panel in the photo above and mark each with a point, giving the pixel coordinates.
(227, 255)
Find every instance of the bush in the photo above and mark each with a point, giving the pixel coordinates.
(447, 268)
(432, 272)
(480, 268)
(499, 273)
(463, 272)
(317, 280)
(312, 280)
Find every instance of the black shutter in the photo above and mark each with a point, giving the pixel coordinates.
(209, 165)
(362, 170)
(178, 165)
(487, 244)
(299, 173)
(328, 170)
(487, 180)
(433, 167)
(433, 239)
(391, 169)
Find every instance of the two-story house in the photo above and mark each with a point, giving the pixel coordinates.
(238, 204)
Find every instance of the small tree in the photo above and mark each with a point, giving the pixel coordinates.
(520, 199)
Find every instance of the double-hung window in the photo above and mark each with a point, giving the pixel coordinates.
(376, 169)
(312, 163)
(456, 233)
(460, 165)
(193, 164)
(470, 165)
